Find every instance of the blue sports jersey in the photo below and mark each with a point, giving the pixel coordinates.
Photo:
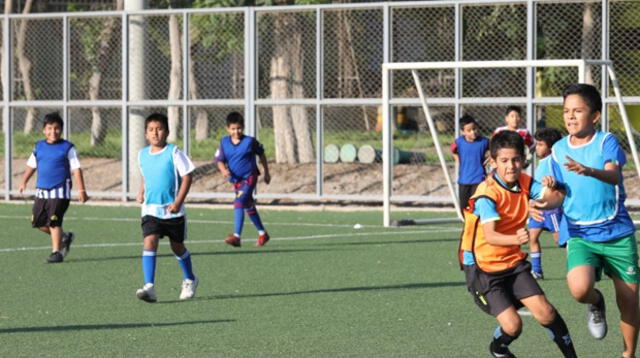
(471, 155)
(240, 158)
(52, 163)
(594, 209)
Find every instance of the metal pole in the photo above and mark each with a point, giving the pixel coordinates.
(250, 70)
(186, 127)
(531, 123)
(436, 143)
(7, 117)
(604, 84)
(65, 76)
(319, 108)
(387, 139)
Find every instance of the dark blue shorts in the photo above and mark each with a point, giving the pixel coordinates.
(551, 221)
(244, 192)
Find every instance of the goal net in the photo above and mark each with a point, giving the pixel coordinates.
(442, 129)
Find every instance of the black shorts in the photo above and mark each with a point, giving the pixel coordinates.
(175, 229)
(48, 212)
(495, 293)
(465, 191)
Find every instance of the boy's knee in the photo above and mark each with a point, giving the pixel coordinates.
(545, 315)
(512, 327)
(580, 293)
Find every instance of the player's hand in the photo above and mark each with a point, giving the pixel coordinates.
(226, 173)
(534, 210)
(173, 207)
(140, 198)
(21, 187)
(522, 236)
(82, 195)
(267, 177)
(549, 182)
(573, 166)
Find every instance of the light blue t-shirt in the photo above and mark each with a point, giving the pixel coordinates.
(485, 209)
(594, 209)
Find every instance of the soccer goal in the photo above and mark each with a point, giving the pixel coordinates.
(388, 124)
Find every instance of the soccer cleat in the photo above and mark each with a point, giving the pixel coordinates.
(233, 240)
(147, 293)
(500, 352)
(188, 289)
(55, 257)
(263, 239)
(537, 275)
(597, 319)
(67, 239)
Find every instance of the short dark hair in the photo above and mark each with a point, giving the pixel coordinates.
(467, 119)
(157, 117)
(549, 136)
(235, 118)
(506, 139)
(589, 94)
(513, 108)
(53, 117)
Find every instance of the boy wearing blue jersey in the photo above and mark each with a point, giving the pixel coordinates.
(545, 139)
(55, 159)
(166, 180)
(470, 152)
(589, 164)
(236, 160)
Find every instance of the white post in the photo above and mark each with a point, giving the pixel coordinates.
(625, 118)
(387, 158)
(436, 143)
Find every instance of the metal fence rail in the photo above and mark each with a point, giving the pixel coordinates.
(307, 79)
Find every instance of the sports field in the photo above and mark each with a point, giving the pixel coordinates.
(320, 288)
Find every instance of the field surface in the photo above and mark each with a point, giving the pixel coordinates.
(320, 288)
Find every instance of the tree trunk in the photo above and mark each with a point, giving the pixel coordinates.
(202, 118)
(8, 9)
(24, 64)
(98, 129)
(299, 113)
(175, 83)
(588, 34)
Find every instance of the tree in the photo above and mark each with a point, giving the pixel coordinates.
(24, 64)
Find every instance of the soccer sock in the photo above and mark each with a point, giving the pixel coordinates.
(501, 340)
(238, 220)
(536, 261)
(149, 265)
(558, 331)
(255, 218)
(184, 261)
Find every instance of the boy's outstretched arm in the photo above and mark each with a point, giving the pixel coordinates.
(182, 194)
(610, 174)
(82, 192)
(495, 238)
(222, 167)
(28, 172)
(265, 168)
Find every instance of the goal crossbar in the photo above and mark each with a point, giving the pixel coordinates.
(387, 129)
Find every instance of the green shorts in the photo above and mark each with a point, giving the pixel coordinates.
(618, 258)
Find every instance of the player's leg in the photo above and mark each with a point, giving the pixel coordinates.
(584, 269)
(509, 329)
(535, 252)
(177, 232)
(627, 300)
(240, 190)
(550, 319)
(151, 231)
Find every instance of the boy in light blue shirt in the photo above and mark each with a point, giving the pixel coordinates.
(166, 180)
(589, 164)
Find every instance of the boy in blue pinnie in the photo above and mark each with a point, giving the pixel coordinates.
(545, 139)
(236, 160)
(55, 159)
(589, 164)
(166, 180)
(470, 152)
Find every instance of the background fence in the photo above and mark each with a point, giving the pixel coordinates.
(305, 77)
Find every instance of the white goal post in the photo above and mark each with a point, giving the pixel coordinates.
(387, 128)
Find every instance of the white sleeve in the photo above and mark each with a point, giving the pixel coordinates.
(182, 163)
(32, 162)
(74, 162)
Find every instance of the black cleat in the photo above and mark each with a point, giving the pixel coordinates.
(55, 257)
(500, 352)
(67, 239)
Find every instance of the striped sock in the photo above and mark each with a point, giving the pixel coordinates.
(255, 218)
(184, 261)
(536, 261)
(238, 220)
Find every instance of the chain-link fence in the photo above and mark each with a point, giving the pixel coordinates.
(308, 81)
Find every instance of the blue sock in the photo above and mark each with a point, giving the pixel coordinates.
(149, 265)
(255, 218)
(536, 261)
(238, 220)
(184, 261)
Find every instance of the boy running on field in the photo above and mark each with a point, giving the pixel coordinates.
(497, 274)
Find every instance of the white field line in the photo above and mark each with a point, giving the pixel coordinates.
(190, 242)
(191, 220)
